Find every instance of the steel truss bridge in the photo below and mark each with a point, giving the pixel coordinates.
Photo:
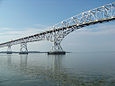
(58, 32)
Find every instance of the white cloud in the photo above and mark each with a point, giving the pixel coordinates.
(40, 25)
(7, 34)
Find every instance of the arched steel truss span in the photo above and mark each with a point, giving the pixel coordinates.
(57, 32)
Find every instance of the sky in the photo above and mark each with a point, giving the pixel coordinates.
(20, 18)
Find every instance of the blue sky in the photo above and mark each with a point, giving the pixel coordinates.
(19, 18)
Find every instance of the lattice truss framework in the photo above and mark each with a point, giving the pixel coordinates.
(57, 32)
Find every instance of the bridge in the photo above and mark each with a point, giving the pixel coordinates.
(59, 31)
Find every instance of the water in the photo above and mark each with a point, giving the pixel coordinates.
(72, 69)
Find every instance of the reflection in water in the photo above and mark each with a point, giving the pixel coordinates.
(9, 59)
(23, 61)
(53, 75)
(56, 69)
(60, 75)
(57, 62)
(56, 73)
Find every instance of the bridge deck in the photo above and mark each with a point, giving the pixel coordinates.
(54, 30)
(98, 15)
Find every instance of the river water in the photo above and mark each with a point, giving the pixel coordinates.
(72, 69)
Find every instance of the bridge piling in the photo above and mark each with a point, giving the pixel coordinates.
(9, 50)
(23, 48)
(56, 49)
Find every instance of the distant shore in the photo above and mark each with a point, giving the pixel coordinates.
(19, 52)
(27, 52)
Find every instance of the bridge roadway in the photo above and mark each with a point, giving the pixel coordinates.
(18, 41)
(57, 32)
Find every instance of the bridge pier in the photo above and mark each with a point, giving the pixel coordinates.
(9, 50)
(23, 48)
(56, 49)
